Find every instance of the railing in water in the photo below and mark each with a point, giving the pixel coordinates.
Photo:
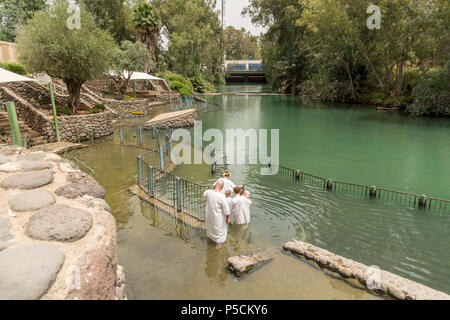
(373, 192)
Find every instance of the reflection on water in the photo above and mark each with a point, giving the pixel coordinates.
(165, 259)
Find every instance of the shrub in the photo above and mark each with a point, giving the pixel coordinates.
(432, 93)
(201, 85)
(63, 111)
(14, 67)
(180, 84)
(100, 106)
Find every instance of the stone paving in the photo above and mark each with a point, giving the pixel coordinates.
(58, 239)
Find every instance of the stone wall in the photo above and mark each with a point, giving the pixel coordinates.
(173, 120)
(358, 274)
(58, 238)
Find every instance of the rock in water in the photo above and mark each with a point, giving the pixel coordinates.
(27, 272)
(31, 200)
(60, 223)
(27, 181)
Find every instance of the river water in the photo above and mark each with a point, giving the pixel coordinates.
(348, 143)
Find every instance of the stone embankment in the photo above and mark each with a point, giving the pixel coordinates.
(58, 238)
(366, 277)
(173, 120)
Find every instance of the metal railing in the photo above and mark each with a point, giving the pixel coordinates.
(373, 192)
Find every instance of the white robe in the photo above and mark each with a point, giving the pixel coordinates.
(228, 185)
(216, 212)
(240, 210)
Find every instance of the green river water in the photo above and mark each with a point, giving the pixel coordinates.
(348, 143)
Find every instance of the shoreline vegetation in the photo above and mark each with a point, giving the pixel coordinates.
(330, 50)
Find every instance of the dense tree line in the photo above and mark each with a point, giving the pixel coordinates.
(324, 49)
(240, 44)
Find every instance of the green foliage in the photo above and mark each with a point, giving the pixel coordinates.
(128, 98)
(201, 85)
(240, 44)
(113, 16)
(63, 111)
(14, 13)
(432, 94)
(100, 106)
(179, 83)
(14, 67)
(194, 31)
(147, 22)
(76, 56)
(128, 58)
(329, 53)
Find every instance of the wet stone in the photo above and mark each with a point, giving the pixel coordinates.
(75, 190)
(6, 238)
(31, 200)
(3, 159)
(27, 272)
(27, 181)
(100, 202)
(60, 223)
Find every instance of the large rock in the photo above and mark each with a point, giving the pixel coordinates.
(241, 265)
(27, 181)
(3, 159)
(27, 272)
(99, 202)
(34, 156)
(31, 200)
(75, 190)
(24, 165)
(60, 223)
(98, 277)
(6, 238)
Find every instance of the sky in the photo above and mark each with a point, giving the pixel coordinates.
(234, 18)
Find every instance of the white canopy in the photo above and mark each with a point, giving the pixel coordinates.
(8, 76)
(139, 76)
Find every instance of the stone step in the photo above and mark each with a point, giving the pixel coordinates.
(37, 138)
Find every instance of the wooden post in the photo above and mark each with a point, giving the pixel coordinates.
(55, 114)
(14, 124)
(134, 88)
(161, 158)
(141, 138)
(139, 170)
(121, 134)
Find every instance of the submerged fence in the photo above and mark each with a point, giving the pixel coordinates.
(421, 201)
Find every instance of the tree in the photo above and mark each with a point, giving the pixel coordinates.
(194, 31)
(14, 13)
(127, 59)
(240, 44)
(148, 25)
(114, 16)
(47, 44)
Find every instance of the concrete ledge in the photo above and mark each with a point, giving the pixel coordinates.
(178, 119)
(371, 278)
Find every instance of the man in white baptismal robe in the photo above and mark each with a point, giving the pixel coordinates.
(240, 208)
(217, 214)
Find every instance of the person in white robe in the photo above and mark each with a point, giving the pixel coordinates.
(228, 185)
(240, 208)
(217, 215)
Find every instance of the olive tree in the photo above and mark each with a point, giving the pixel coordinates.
(128, 58)
(75, 55)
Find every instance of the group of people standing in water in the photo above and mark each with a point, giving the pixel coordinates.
(222, 209)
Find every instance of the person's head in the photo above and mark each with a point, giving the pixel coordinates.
(228, 193)
(219, 186)
(247, 194)
(237, 190)
(226, 174)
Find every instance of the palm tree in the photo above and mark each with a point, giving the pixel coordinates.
(148, 25)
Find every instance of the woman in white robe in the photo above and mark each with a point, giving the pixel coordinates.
(217, 212)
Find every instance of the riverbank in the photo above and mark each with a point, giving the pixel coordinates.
(58, 238)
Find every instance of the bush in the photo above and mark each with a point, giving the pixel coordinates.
(14, 67)
(201, 85)
(432, 94)
(63, 111)
(180, 84)
(100, 106)
(411, 78)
